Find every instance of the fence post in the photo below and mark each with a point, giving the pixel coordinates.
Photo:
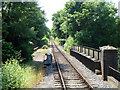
(84, 50)
(98, 55)
(93, 53)
(88, 51)
(80, 49)
(108, 58)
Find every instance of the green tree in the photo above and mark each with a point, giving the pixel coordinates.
(58, 19)
(91, 24)
(24, 26)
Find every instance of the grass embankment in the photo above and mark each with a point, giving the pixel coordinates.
(16, 75)
(34, 70)
(33, 74)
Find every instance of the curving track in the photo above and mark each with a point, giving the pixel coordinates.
(66, 76)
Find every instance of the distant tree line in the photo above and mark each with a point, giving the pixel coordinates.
(23, 28)
(92, 24)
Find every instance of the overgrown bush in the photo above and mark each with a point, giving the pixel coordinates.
(12, 75)
(15, 75)
(45, 40)
(68, 44)
(8, 51)
(27, 50)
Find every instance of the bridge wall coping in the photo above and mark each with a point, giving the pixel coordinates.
(109, 57)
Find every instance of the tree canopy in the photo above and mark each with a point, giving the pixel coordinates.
(91, 24)
(23, 27)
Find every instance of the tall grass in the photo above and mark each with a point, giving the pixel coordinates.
(16, 76)
(33, 74)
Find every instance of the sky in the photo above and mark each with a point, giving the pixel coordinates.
(52, 6)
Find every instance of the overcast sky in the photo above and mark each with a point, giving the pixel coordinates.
(52, 6)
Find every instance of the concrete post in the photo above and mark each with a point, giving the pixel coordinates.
(109, 57)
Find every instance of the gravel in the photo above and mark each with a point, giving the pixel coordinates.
(48, 81)
(92, 78)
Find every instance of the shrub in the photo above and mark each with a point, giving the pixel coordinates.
(57, 40)
(26, 51)
(12, 75)
(8, 51)
(68, 44)
(45, 40)
(15, 75)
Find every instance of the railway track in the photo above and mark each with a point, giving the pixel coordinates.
(66, 76)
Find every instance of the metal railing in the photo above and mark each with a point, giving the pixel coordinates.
(93, 53)
(114, 73)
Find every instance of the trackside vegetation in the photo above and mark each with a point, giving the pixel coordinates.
(16, 76)
(92, 24)
(23, 29)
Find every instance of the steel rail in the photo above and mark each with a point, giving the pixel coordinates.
(87, 83)
(59, 71)
(114, 69)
